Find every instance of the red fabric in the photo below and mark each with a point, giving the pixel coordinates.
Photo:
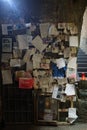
(83, 77)
(26, 83)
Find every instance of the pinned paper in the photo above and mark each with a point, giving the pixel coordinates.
(53, 30)
(73, 51)
(72, 116)
(6, 44)
(6, 77)
(38, 43)
(4, 29)
(44, 29)
(19, 74)
(26, 83)
(36, 83)
(22, 42)
(60, 63)
(70, 89)
(6, 57)
(32, 51)
(28, 25)
(44, 82)
(66, 52)
(16, 63)
(37, 60)
(7, 29)
(32, 28)
(57, 92)
(26, 56)
(35, 73)
(72, 62)
(61, 25)
(29, 39)
(74, 30)
(17, 53)
(73, 40)
(71, 73)
(72, 68)
(29, 66)
(62, 81)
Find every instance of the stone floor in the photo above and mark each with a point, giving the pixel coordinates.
(77, 126)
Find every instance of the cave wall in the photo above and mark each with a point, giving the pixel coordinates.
(63, 11)
(45, 10)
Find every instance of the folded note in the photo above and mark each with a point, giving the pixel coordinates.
(44, 29)
(6, 77)
(38, 43)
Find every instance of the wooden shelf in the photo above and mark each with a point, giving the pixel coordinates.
(63, 123)
(62, 110)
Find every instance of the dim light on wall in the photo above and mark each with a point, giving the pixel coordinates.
(7, 0)
(10, 2)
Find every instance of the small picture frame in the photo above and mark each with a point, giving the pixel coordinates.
(7, 44)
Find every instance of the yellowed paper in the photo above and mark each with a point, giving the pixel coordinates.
(73, 40)
(70, 89)
(44, 29)
(22, 42)
(6, 77)
(38, 43)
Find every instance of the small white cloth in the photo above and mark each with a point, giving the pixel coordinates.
(60, 63)
(70, 89)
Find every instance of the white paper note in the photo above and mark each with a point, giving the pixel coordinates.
(55, 91)
(29, 66)
(72, 62)
(72, 116)
(66, 52)
(37, 60)
(29, 39)
(28, 25)
(73, 40)
(4, 29)
(62, 81)
(72, 113)
(26, 56)
(6, 77)
(44, 29)
(16, 63)
(6, 57)
(22, 42)
(60, 63)
(70, 90)
(38, 43)
(53, 30)
(6, 44)
(71, 73)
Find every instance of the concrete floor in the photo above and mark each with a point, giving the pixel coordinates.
(77, 126)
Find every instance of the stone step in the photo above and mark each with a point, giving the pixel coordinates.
(81, 64)
(82, 69)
